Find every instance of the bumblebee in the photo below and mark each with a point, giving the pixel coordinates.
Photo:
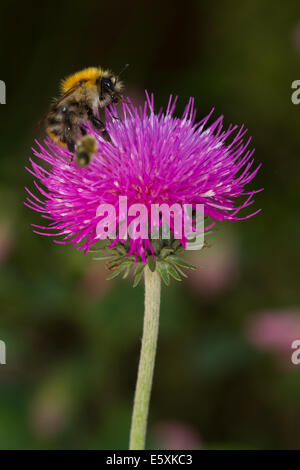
(86, 149)
(84, 94)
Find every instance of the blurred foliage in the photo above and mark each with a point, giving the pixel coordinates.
(73, 338)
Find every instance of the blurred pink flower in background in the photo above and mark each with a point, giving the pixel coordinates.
(94, 283)
(53, 404)
(218, 267)
(176, 435)
(49, 418)
(274, 331)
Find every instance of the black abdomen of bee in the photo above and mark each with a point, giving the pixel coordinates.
(64, 123)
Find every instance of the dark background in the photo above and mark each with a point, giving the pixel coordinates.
(224, 377)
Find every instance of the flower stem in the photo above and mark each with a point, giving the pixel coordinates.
(147, 359)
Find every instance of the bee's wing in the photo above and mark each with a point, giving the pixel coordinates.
(58, 101)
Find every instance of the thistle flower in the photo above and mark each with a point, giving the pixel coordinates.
(151, 159)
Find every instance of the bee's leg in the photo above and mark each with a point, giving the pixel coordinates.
(100, 125)
(71, 147)
(97, 123)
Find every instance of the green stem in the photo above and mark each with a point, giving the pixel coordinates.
(147, 360)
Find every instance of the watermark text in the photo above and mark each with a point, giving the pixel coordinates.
(2, 92)
(295, 97)
(295, 358)
(137, 221)
(2, 352)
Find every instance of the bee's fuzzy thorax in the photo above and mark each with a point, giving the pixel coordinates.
(90, 74)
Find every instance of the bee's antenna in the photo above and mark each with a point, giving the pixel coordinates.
(122, 70)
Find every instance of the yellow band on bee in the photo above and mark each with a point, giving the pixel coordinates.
(90, 75)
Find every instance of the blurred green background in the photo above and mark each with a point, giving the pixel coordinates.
(223, 377)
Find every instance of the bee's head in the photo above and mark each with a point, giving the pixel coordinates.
(110, 88)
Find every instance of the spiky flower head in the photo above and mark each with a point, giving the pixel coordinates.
(150, 158)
